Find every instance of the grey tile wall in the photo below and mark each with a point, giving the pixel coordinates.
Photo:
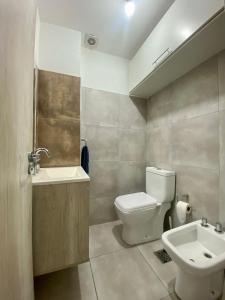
(221, 70)
(186, 132)
(182, 128)
(115, 127)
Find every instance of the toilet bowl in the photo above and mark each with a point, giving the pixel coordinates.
(142, 214)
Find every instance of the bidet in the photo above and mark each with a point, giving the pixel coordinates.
(199, 253)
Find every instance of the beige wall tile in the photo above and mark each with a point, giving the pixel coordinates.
(103, 143)
(183, 134)
(159, 144)
(197, 92)
(102, 210)
(132, 145)
(133, 112)
(115, 127)
(159, 109)
(171, 297)
(131, 177)
(101, 108)
(202, 186)
(162, 165)
(195, 142)
(103, 179)
(221, 69)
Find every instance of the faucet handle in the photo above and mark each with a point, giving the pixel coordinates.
(204, 222)
(219, 227)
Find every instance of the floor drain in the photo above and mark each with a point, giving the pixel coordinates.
(207, 255)
(163, 256)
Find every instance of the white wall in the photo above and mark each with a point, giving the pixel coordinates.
(59, 49)
(105, 72)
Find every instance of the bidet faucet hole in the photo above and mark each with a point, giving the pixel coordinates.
(207, 255)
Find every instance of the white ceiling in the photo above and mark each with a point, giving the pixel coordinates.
(117, 34)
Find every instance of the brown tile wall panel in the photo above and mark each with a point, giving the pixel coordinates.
(58, 126)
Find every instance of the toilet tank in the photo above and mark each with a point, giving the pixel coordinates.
(160, 184)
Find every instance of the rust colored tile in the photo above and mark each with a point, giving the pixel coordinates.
(62, 138)
(58, 95)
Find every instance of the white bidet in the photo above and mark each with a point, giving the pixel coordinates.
(199, 253)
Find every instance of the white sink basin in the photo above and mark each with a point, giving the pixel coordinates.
(199, 253)
(59, 175)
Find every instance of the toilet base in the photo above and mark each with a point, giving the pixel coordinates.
(140, 236)
(191, 287)
(144, 226)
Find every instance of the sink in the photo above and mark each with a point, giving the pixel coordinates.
(199, 253)
(59, 175)
(62, 172)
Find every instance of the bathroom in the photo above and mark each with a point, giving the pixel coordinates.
(112, 127)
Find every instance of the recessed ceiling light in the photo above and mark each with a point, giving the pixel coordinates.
(129, 7)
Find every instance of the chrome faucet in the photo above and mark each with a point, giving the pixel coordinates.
(204, 222)
(34, 158)
(219, 227)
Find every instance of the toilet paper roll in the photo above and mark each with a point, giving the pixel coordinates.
(181, 211)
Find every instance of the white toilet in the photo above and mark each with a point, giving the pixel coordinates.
(142, 214)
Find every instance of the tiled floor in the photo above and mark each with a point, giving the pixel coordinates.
(115, 272)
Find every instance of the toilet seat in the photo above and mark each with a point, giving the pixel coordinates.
(135, 202)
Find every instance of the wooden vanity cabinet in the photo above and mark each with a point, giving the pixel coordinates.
(60, 226)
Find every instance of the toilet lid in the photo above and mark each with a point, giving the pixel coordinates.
(133, 202)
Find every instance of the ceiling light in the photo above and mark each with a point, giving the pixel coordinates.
(129, 7)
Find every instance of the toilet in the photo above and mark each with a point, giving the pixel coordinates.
(142, 214)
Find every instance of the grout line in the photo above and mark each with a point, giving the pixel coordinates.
(138, 162)
(114, 126)
(92, 274)
(171, 123)
(111, 252)
(157, 275)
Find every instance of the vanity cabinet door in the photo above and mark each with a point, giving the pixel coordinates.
(181, 21)
(60, 226)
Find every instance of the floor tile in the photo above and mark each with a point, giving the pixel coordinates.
(105, 238)
(70, 284)
(125, 275)
(166, 272)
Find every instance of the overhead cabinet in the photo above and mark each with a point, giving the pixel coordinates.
(182, 21)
